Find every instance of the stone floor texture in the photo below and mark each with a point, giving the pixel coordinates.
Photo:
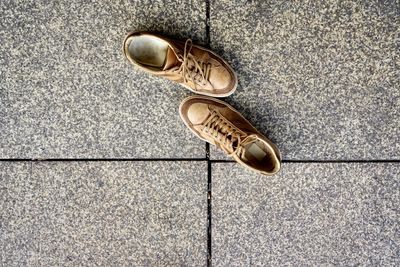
(68, 92)
(96, 168)
(325, 214)
(103, 214)
(320, 78)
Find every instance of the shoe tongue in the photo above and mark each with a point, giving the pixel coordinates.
(171, 60)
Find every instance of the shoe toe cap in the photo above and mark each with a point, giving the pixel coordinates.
(220, 78)
(197, 113)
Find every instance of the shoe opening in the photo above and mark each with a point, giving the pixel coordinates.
(148, 50)
(261, 156)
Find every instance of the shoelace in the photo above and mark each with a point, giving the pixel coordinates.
(228, 137)
(196, 71)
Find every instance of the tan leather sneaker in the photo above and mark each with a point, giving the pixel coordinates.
(197, 68)
(218, 123)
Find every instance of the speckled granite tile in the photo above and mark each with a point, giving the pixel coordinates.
(18, 215)
(104, 214)
(68, 92)
(321, 79)
(307, 215)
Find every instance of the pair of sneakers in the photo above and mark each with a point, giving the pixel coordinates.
(208, 75)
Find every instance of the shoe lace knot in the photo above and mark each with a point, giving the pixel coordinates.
(192, 69)
(228, 137)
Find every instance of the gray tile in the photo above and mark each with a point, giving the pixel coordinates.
(106, 214)
(307, 215)
(321, 79)
(19, 213)
(67, 90)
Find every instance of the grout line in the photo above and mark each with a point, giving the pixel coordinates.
(344, 161)
(107, 159)
(209, 205)
(207, 158)
(318, 161)
(30, 170)
(209, 176)
(208, 40)
(222, 161)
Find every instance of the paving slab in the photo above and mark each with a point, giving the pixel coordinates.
(67, 91)
(321, 79)
(103, 214)
(19, 215)
(314, 214)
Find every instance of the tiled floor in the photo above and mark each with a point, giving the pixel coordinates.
(311, 214)
(321, 78)
(103, 213)
(122, 182)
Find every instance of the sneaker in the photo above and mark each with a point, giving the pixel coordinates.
(218, 123)
(195, 67)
